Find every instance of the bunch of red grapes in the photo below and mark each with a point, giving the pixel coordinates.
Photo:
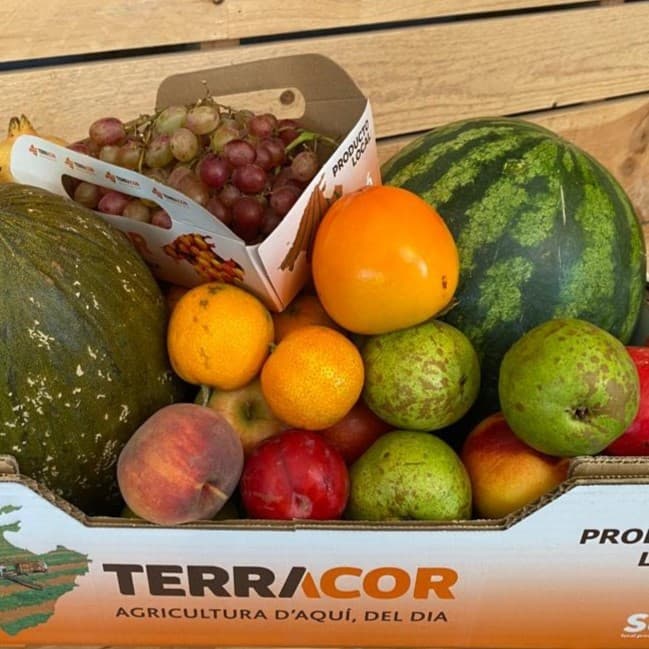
(245, 168)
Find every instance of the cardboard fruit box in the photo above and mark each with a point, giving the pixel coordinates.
(570, 570)
(198, 247)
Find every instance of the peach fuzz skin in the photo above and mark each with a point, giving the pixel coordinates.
(181, 465)
(506, 474)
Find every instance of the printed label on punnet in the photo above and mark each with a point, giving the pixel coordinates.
(61, 579)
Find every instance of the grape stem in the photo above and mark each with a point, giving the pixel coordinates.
(310, 136)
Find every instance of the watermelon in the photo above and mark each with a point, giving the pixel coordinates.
(543, 231)
(83, 358)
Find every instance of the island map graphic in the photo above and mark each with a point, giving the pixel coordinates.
(31, 584)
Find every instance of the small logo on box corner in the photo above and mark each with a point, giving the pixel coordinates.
(156, 192)
(637, 626)
(37, 152)
(72, 164)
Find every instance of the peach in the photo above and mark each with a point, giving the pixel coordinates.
(507, 474)
(182, 464)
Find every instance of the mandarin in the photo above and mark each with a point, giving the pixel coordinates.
(383, 259)
(313, 377)
(304, 309)
(219, 335)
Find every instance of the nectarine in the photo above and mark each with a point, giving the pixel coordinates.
(352, 435)
(635, 439)
(506, 474)
(295, 474)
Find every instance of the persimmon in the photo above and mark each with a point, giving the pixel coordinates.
(383, 259)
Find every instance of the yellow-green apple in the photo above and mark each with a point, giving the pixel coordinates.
(182, 464)
(568, 387)
(635, 439)
(507, 474)
(246, 410)
(409, 475)
(352, 435)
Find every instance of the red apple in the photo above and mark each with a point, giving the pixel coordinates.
(506, 474)
(635, 439)
(182, 464)
(355, 432)
(295, 474)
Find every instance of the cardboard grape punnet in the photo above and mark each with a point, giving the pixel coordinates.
(198, 247)
(571, 570)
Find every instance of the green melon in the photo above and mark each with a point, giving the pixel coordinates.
(83, 358)
(542, 228)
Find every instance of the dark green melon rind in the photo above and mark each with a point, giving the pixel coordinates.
(75, 387)
(503, 186)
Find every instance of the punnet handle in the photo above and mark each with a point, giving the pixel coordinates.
(324, 85)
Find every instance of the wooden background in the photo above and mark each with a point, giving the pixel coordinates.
(580, 68)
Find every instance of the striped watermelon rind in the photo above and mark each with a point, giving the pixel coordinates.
(542, 228)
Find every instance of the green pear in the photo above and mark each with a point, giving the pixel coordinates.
(409, 475)
(424, 377)
(568, 388)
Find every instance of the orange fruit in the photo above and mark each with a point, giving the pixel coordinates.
(304, 309)
(383, 259)
(313, 377)
(219, 335)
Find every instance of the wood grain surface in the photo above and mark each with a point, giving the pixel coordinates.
(64, 27)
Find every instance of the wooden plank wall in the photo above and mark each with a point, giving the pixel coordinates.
(581, 68)
(60, 27)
